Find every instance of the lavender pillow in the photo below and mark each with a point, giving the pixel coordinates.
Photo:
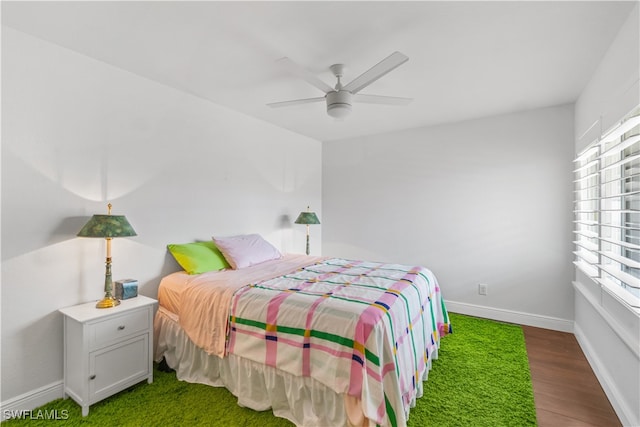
(246, 250)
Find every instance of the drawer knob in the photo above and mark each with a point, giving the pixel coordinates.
(121, 327)
(92, 377)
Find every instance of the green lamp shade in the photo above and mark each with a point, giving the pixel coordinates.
(307, 218)
(107, 226)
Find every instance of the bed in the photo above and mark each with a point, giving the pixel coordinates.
(320, 341)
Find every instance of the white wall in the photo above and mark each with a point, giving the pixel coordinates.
(77, 133)
(607, 330)
(613, 89)
(483, 201)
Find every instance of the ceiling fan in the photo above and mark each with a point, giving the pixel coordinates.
(340, 98)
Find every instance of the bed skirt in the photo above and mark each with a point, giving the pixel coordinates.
(301, 400)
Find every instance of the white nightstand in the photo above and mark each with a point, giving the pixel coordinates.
(107, 350)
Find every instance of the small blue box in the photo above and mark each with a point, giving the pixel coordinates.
(127, 288)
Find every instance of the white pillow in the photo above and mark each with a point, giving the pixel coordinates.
(246, 250)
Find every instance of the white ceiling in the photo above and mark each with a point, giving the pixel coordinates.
(467, 59)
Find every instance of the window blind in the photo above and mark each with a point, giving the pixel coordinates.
(607, 209)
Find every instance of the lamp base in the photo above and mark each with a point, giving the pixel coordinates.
(107, 302)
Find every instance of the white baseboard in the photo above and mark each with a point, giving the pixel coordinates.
(612, 386)
(510, 316)
(608, 384)
(31, 399)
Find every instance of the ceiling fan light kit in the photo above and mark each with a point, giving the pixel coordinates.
(340, 99)
(339, 104)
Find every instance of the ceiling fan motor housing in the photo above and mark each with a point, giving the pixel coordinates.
(339, 104)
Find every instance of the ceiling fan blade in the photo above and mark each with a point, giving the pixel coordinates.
(383, 67)
(379, 99)
(295, 102)
(305, 74)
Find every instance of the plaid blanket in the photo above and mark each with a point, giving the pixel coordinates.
(362, 328)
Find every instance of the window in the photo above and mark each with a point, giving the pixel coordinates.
(607, 210)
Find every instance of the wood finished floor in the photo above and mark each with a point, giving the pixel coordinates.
(565, 389)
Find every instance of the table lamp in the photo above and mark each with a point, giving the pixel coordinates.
(307, 218)
(107, 227)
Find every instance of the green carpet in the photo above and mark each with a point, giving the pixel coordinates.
(481, 378)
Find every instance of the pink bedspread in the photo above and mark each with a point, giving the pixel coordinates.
(206, 298)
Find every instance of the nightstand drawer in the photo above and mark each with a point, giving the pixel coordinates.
(116, 328)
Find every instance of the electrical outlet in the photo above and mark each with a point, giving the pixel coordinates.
(483, 288)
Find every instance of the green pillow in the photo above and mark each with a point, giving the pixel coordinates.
(198, 257)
